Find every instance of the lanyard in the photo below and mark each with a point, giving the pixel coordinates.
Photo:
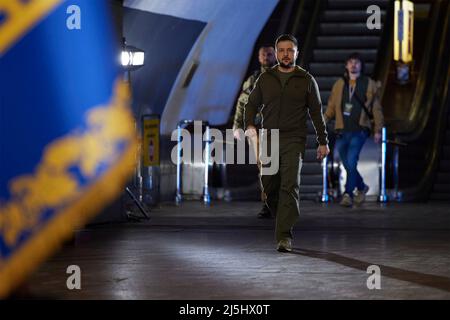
(351, 91)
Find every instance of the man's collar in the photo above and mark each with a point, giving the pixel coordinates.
(298, 71)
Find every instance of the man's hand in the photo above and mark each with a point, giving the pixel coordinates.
(250, 132)
(253, 140)
(237, 134)
(377, 137)
(322, 152)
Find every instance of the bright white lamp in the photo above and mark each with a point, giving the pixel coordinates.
(131, 57)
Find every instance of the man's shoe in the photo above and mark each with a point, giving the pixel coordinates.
(285, 245)
(346, 200)
(265, 213)
(360, 195)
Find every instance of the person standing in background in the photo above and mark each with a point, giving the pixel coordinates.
(354, 102)
(266, 58)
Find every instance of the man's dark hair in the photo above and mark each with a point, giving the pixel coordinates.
(266, 46)
(286, 37)
(356, 56)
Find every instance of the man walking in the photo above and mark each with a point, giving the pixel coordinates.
(266, 58)
(287, 93)
(354, 102)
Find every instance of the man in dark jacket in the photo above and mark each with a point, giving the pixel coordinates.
(287, 93)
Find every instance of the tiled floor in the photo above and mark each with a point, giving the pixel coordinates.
(224, 252)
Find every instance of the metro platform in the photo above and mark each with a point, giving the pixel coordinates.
(223, 252)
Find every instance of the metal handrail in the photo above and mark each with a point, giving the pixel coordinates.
(425, 183)
(311, 31)
(298, 16)
(422, 99)
(384, 55)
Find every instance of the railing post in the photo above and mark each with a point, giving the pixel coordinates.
(206, 196)
(396, 176)
(178, 197)
(325, 196)
(383, 196)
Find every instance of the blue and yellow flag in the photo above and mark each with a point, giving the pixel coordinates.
(67, 138)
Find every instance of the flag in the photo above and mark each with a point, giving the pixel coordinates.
(67, 139)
